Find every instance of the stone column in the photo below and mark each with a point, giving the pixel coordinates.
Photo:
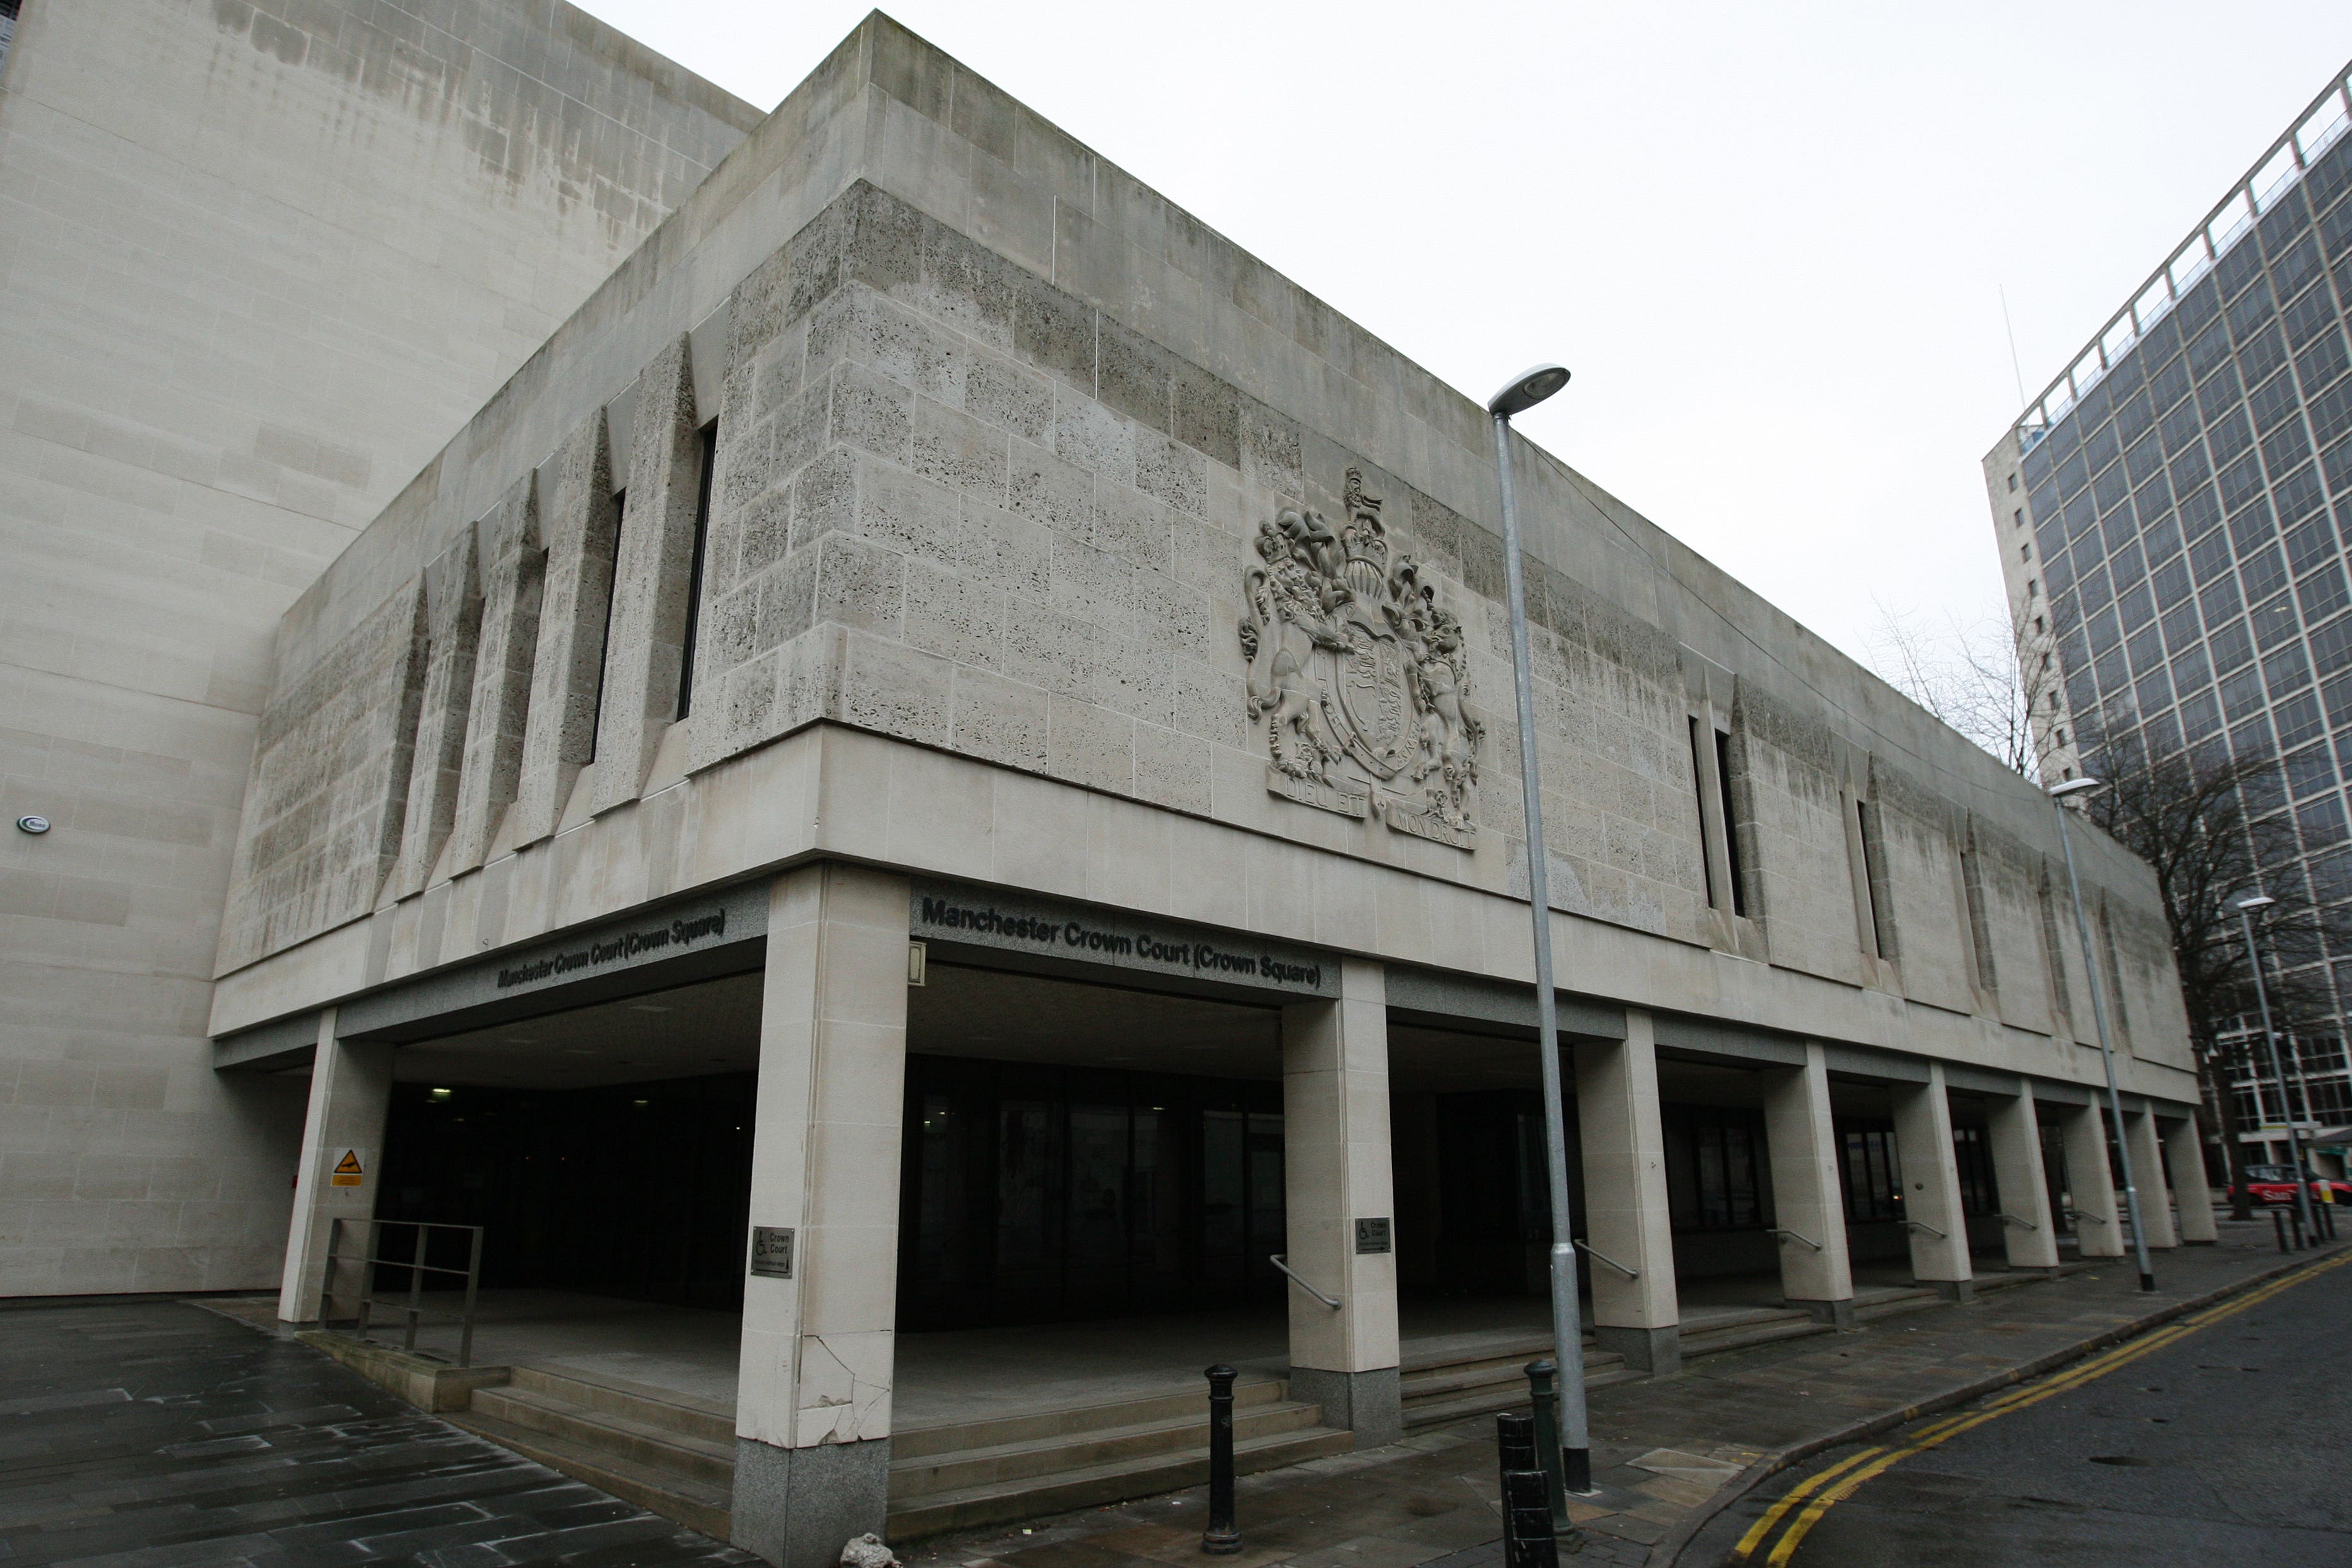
(2147, 1173)
(1625, 1213)
(1801, 1144)
(2015, 1133)
(2090, 1186)
(342, 1143)
(2184, 1165)
(1336, 1176)
(813, 1392)
(1931, 1185)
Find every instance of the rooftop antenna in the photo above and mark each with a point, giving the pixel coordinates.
(2006, 327)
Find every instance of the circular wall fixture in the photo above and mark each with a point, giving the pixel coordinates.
(33, 824)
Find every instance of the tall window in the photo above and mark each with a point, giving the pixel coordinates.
(1877, 901)
(605, 641)
(1731, 846)
(1972, 1157)
(1715, 1168)
(709, 441)
(1707, 827)
(1868, 1173)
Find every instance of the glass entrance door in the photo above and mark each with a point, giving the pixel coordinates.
(1035, 1193)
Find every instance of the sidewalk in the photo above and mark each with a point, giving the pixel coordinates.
(1662, 1447)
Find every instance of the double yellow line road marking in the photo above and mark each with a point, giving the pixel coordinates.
(1802, 1505)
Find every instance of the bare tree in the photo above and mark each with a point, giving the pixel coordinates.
(2215, 827)
(1969, 677)
(2215, 831)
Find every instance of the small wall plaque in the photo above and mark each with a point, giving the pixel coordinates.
(1372, 1236)
(771, 1252)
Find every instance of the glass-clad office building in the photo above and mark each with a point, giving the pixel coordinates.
(2175, 513)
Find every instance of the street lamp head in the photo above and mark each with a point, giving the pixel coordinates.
(2260, 901)
(2073, 787)
(1527, 389)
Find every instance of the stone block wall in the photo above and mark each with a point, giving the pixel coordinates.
(1005, 499)
(261, 258)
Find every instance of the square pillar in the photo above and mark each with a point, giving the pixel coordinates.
(2148, 1175)
(813, 1394)
(1801, 1144)
(1340, 1205)
(1626, 1218)
(1931, 1185)
(2184, 1167)
(342, 1142)
(2014, 1133)
(2090, 1186)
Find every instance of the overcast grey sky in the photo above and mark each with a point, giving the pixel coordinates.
(1769, 238)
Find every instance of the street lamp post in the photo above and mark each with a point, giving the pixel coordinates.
(2058, 794)
(2246, 908)
(1525, 392)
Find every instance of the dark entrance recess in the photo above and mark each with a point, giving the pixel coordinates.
(637, 1190)
(1494, 1203)
(1033, 1193)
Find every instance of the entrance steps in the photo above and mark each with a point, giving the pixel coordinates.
(668, 1457)
(677, 1459)
(993, 1471)
(1440, 1387)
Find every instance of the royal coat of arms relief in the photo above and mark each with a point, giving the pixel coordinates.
(1357, 674)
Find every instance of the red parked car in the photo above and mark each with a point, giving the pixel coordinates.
(2275, 1185)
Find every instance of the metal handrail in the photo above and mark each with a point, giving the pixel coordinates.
(1604, 1258)
(2020, 1219)
(1923, 1225)
(1330, 1301)
(1792, 1236)
(2094, 1218)
(413, 1310)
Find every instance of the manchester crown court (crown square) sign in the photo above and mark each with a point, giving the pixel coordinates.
(1358, 674)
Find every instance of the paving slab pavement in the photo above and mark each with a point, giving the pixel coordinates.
(145, 1433)
(1667, 1452)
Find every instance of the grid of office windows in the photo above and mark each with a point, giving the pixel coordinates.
(2190, 515)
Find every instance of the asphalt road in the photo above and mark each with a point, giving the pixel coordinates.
(2229, 1442)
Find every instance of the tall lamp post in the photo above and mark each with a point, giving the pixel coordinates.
(1525, 391)
(2246, 908)
(2059, 795)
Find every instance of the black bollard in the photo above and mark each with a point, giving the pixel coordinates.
(1515, 1450)
(1544, 1394)
(1527, 1538)
(1222, 1539)
(2278, 1223)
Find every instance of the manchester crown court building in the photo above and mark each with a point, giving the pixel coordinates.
(936, 759)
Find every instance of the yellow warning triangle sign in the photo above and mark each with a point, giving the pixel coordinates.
(347, 1170)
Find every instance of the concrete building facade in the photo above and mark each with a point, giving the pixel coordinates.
(2172, 514)
(257, 262)
(937, 758)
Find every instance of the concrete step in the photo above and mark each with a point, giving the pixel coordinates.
(1764, 1327)
(1437, 1411)
(697, 1504)
(1068, 1453)
(1000, 1503)
(634, 1437)
(1908, 1301)
(1447, 1382)
(658, 1408)
(955, 1436)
